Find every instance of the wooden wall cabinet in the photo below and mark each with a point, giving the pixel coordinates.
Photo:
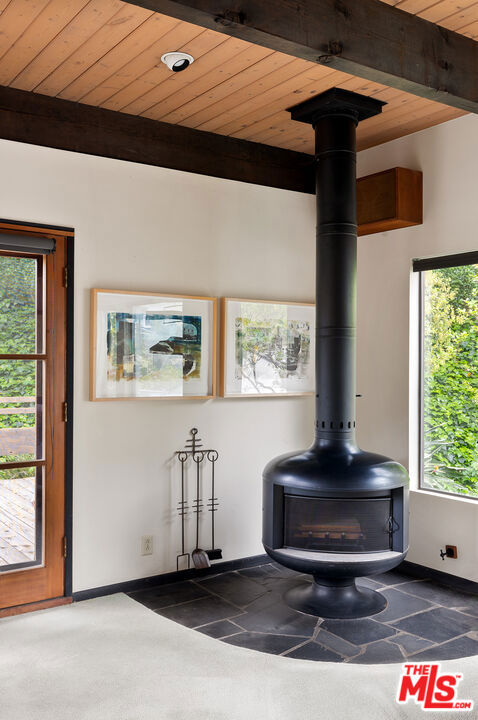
(389, 200)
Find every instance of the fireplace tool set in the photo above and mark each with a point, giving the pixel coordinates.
(194, 450)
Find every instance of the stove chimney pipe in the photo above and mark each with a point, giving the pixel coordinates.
(334, 116)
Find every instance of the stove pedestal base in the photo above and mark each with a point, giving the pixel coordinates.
(335, 599)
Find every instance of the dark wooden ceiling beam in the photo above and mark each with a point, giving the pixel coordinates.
(40, 120)
(367, 38)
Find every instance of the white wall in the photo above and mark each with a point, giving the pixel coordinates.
(448, 157)
(146, 228)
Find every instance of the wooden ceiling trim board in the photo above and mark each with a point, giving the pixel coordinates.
(270, 122)
(264, 98)
(415, 6)
(409, 121)
(447, 9)
(127, 77)
(133, 64)
(258, 110)
(15, 19)
(122, 24)
(236, 63)
(370, 39)
(263, 70)
(460, 20)
(414, 126)
(330, 80)
(286, 134)
(471, 30)
(92, 17)
(305, 147)
(181, 38)
(292, 133)
(359, 85)
(410, 118)
(288, 96)
(282, 118)
(289, 131)
(176, 82)
(52, 19)
(392, 111)
(209, 108)
(143, 37)
(413, 110)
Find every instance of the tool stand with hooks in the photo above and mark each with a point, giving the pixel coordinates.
(194, 450)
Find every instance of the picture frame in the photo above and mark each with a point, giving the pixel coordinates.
(152, 345)
(267, 348)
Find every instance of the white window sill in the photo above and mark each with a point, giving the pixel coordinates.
(445, 496)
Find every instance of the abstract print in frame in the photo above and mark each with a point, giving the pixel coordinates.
(268, 348)
(152, 345)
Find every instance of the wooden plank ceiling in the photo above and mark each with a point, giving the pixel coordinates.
(106, 53)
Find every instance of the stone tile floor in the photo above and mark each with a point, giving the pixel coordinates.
(422, 620)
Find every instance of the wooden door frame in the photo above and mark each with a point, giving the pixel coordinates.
(54, 231)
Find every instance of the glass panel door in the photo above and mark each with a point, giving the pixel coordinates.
(32, 427)
(21, 410)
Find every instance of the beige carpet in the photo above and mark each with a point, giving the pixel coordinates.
(111, 658)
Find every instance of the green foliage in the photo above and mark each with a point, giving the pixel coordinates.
(450, 379)
(17, 473)
(17, 335)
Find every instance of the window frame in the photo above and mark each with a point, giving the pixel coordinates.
(421, 265)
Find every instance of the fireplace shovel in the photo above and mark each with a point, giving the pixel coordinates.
(200, 558)
(214, 553)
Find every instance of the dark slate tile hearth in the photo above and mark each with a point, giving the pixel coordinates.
(358, 632)
(438, 625)
(441, 595)
(423, 620)
(379, 652)
(195, 613)
(313, 651)
(277, 617)
(233, 587)
(410, 643)
(165, 595)
(400, 605)
(459, 647)
(220, 629)
(336, 643)
(273, 644)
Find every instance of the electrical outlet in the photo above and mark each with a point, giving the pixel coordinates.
(451, 551)
(147, 545)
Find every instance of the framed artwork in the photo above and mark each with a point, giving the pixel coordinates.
(267, 348)
(146, 345)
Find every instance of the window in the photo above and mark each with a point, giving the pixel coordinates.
(449, 374)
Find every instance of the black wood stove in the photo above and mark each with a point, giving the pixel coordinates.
(336, 511)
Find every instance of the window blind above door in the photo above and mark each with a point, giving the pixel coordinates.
(27, 243)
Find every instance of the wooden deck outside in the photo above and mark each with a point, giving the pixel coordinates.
(17, 495)
(17, 520)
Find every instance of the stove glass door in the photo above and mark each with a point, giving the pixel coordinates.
(338, 525)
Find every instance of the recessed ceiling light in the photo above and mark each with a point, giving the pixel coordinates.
(177, 61)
